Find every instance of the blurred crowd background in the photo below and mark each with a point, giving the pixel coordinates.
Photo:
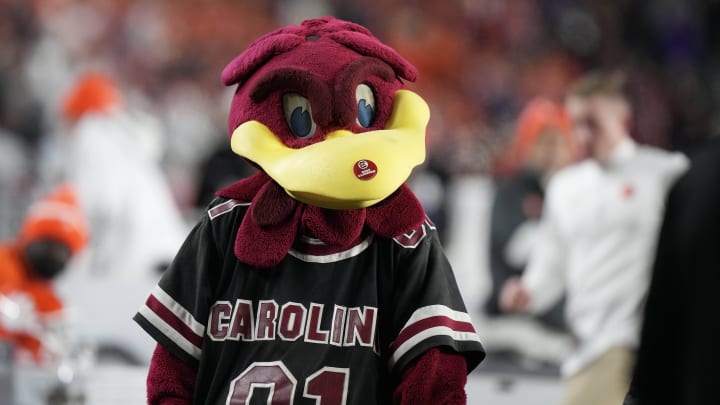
(480, 61)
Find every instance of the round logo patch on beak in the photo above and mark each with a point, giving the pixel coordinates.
(365, 169)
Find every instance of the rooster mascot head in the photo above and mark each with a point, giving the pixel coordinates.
(323, 111)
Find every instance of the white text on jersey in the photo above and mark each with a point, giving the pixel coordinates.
(349, 326)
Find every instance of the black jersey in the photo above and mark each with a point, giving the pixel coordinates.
(320, 327)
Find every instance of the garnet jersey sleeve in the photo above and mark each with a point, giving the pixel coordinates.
(426, 308)
(176, 311)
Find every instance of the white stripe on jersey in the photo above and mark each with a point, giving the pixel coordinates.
(225, 207)
(183, 314)
(311, 241)
(432, 330)
(333, 257)
(170, 332)
(428, 333)
(437, 310)
(430, 223)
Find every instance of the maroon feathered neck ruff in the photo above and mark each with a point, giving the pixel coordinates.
(275, 221)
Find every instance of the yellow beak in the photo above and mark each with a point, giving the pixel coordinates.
(346, 170)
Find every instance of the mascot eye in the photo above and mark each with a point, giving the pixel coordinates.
(366, 105)
(298, 115)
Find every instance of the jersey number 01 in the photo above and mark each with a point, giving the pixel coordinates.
(327, 386)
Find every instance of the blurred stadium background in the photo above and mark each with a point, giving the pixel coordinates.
(480, 62)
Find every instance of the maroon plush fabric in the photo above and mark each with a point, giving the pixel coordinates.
(170, 381)
(265, 244)
(275, 219)
(247, 188)
(436, 378)
(282, 40)
(398, 214)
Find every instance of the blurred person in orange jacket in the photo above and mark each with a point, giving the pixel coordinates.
(53, 231)
(542, 145)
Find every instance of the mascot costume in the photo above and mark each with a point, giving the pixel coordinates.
(318, 280)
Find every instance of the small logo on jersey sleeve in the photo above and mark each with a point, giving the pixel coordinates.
(411, 239)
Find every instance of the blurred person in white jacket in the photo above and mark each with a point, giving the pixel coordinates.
(111, 153)
(113, 159)
(600, 223)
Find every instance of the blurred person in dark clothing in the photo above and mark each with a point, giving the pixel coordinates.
(221, 168)
(430, 183)
(542, 145)
(679, 353)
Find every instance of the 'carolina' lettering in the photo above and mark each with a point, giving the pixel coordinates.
(291, 321)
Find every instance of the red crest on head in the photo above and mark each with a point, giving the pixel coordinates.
(350, 35)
